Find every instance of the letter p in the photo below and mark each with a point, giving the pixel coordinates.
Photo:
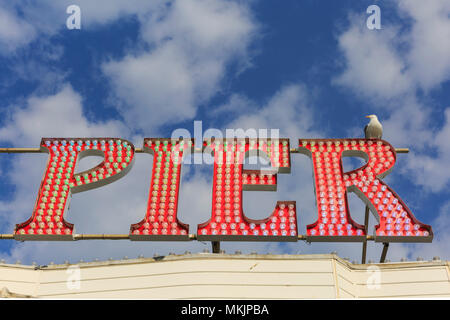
(47, 221)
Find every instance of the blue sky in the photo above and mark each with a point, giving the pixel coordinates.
(145, 68)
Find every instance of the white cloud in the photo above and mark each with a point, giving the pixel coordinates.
(388, 63)
(431, 169)
(157, 87)
(101, 12)
(429, 55)
(14, 32)
(202, 27)
(59, 115)
(373, 67)
(47, 17)
(191, 42)
(288, 110)
(408, 125)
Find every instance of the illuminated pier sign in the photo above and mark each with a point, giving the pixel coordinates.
(228, 222)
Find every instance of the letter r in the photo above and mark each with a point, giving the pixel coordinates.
(396, 221)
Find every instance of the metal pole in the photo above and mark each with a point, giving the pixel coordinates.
(38, 150)
(137, 150)
(101, 236)
(20, 150)
(366, 227)
(192, 237)
(384, 253)
(397, 150)
(215, 246)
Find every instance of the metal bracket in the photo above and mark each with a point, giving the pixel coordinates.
(215, 246)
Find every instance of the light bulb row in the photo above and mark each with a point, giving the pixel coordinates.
(277, 151)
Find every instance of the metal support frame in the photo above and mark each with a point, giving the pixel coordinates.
(366, 227)
(192, 237)
(136, 150)
(384, 253)
(215, 246)
(38, 150)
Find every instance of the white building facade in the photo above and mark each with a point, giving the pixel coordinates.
(223, 276)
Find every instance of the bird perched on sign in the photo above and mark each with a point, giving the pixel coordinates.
(373, 129)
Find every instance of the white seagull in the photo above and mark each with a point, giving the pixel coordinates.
(374, 129)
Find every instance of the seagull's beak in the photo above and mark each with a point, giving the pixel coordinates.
(367, 116)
